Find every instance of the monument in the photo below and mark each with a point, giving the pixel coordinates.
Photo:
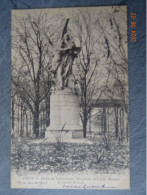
(64, 105)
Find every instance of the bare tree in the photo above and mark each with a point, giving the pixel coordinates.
(116, 42)
(31, 62)
(90, 63)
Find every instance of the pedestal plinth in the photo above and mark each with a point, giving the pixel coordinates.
(64, 115)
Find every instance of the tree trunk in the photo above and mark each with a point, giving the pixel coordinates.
(47, 111)
(30, 123)
(104, 120)
(12, 113)
(21, 120)
(116, 122)
(108, 120)
(26, 124)
(36, 121)
(18, 119)
(85, 125)
(127, 130)
(44, 120)
(122, 124)
(84, 130)
(90, 123)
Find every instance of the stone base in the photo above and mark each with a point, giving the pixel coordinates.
(64, 116)
(64, 134)
(60, 127)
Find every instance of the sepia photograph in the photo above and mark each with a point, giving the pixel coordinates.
(69, 98)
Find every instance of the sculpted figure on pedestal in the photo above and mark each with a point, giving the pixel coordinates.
(63, 59)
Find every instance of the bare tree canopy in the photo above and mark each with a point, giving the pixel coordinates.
(31, 62)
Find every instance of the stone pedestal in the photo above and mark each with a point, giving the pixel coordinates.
(64, 116)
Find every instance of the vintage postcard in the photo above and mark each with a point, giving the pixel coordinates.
(69, 98)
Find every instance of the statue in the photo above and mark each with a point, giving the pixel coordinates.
(64, 100)
(63, 59)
